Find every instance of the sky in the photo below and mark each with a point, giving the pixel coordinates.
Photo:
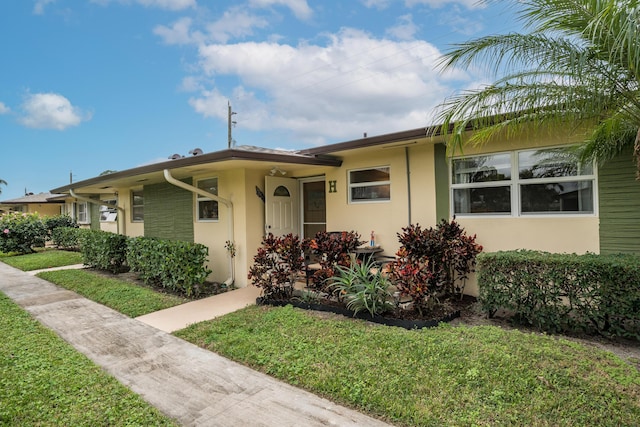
(88, 86)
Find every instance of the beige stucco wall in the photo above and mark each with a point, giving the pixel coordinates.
(44, 209)
(126, 226)
(386, 219)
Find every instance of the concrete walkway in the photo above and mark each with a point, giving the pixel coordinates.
(194, 386)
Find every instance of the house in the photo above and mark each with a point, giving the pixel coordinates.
(45, 204)
(513, 193)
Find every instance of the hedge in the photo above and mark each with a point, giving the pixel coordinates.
(103, 250)
(564, 292)
(178, 266)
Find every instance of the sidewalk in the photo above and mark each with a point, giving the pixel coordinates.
(194, 386)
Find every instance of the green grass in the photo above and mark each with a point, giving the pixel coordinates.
(122, 296)
(457, 376)
(45, 382)
(42, 259)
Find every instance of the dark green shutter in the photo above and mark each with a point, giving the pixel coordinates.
(168, 212)
(441, 167)
(619, 195)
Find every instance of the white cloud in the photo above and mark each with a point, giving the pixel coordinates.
(50, 111)
(236, 22)
(376, 4)
(178, 33)
(4, 109)
(300, 8)
(469, 4)
(38, 8)
(353, 84)
(161, 4)
(459, 22)
(405, 29)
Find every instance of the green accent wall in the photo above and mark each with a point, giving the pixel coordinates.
(441, 168)
(94, 215)
(619, 194)
(168, 212)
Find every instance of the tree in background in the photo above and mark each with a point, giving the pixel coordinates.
(578, 64)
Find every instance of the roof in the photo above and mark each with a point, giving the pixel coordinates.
(35, 198)
(241, 156)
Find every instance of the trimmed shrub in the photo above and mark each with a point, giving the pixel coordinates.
(21, 232)
(53, 222)
(66, 238)
(175, 265)
(103, 250)
(564, 292)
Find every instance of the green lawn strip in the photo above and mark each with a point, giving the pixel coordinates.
(127, 298)
(45, 382)
(442, 376)
(42, 259)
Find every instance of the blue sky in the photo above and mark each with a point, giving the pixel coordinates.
(94, 85)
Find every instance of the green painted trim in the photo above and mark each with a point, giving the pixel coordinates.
(619, 198)
(168, 212)
(441, 168)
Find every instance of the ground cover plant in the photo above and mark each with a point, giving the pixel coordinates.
(45, 382)
(128, 298)
(442, 376)
(43, 259)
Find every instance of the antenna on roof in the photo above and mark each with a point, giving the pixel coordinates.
(230, 124)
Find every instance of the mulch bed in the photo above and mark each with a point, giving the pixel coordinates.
(408, 319)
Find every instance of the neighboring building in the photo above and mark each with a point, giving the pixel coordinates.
(513, 194)
(45, 204)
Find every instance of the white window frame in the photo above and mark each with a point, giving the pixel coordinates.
(133, 206)
(200, 198)
(351, 186)
(515, 184)
(83, 212)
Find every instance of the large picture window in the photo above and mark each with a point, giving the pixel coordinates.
(108, 212)
(207, 208)
(543, 181)
(370, 185)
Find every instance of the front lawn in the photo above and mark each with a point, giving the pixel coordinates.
(444, 376)
(45, 382)
(42, 259)
(127, 298)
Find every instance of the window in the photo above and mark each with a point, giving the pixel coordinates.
(137, 206)
(370, 185)
(207, 208)
(83, 213)
(108, 213)
(544, 181)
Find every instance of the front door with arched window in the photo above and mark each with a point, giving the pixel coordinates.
(281, 206)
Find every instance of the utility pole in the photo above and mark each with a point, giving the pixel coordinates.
(231, 123)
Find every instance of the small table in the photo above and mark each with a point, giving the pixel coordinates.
(367, 253)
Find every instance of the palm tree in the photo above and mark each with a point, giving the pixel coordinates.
(2, 182)
(578, 64)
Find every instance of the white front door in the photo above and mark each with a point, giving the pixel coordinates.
(281, 206)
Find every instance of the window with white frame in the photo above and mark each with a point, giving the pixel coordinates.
(108, 212)
(83, 212)
(207, 207)
(137, 206)
(370, 185)
(528, 182)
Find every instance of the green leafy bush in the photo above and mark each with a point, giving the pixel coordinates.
(66, 238)
(175, 265)
(363, 286)
(564, 292)
(277, 264)
(21, 232)
(103, 250)
(53, 222)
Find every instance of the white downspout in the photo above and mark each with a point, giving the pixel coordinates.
(170, 179)
(100, 203)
